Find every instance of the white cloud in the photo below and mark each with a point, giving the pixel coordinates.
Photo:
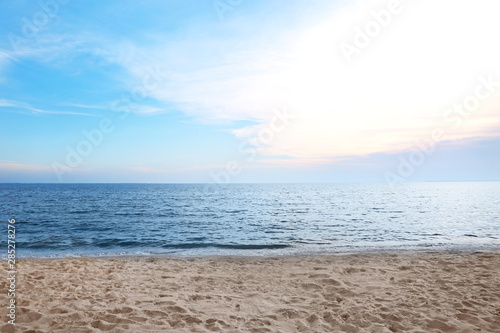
(393, 93)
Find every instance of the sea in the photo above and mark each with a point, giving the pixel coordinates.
(88, 220)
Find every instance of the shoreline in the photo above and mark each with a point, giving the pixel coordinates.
(363, 292)
(384, 251)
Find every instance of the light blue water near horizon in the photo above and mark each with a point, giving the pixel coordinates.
(61, 220)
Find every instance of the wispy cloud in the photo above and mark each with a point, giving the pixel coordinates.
(15, 106)
(6, 56)
(83, 106)
(144, 169)
(25, 167)
(4, 60)
(14, 166)
(139, 109)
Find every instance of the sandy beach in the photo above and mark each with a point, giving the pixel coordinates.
(386, 292)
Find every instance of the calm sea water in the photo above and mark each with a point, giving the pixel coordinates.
(56, 220)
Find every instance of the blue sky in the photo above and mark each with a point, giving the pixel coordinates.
(249, 91)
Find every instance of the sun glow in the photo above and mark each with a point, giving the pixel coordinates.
(398, 88)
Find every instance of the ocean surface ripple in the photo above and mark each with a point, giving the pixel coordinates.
(58, 220)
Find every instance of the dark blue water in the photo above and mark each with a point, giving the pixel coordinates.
(54, 220)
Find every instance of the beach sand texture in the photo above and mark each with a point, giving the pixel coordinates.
(385, 292)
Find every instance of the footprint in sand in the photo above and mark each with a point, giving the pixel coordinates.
(125, 309)
(28, 316)
(102, 325)
(311, 287)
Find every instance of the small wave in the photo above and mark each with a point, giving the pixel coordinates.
(38, 245)
(168, 214)
(128, 243)
(226, 246)
(130, 214)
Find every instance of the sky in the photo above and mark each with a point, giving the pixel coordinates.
(232, 91)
